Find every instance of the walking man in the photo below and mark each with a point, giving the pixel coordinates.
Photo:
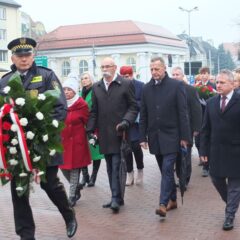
(164, 126)
(220, 143)
(114, 108)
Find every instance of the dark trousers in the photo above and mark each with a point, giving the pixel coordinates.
(113, 166)
(138, 155)
(229, 190)
(197, 144)
(23, 217)
(168, 186)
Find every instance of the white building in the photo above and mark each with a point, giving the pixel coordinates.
(10, 28)
(79, 48)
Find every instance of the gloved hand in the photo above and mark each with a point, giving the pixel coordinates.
(92, 139)
(122, 126)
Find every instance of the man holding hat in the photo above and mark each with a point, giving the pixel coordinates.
(39, 80)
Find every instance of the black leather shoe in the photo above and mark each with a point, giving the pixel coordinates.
(107, 205)
(228, 224)
(72, 227)
(78, 192)
(115, 207)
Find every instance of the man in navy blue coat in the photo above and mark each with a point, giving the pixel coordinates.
(164, 126)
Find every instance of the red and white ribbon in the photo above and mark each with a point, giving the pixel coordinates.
(21, 139)
(22, 142)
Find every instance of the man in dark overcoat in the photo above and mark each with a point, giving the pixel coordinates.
(194, 114)
(220, 143)
(164, 126)
(38, 80)
(114, 108)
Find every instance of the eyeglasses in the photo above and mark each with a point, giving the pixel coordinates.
(106, 66)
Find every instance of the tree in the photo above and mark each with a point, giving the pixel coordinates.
(225, 60)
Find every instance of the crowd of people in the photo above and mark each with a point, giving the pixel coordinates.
(163, 115)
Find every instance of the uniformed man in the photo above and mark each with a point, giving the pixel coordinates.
(38, 80)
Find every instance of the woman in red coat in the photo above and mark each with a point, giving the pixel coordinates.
(76, 150)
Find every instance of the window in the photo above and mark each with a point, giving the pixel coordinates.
(2, 13)
(132, 62)
(83, 66)
(3, 34)
(3, 56)
(65, 68)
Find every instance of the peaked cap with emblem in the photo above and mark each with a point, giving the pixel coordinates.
(22, 46)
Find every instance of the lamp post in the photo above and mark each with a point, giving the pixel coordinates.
(189, 34)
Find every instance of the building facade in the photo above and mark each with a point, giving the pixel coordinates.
(10, 28)
(80, 48)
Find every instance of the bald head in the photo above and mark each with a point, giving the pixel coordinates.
(108, 68)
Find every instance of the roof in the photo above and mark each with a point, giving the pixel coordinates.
(107, 34)
(10, 3)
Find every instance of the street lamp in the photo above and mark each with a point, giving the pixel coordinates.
(189, 34)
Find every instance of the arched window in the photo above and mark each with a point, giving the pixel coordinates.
(65, 68)
(83, 66)
(132, 62)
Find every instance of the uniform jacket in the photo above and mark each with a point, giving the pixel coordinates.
(220, 137)
(49, 81)
(76, 151)
(163, 116)
(109, 108)
(93, 149)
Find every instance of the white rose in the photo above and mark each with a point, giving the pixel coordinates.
(12, 150)
(55, 123)
(39, 116)
(52, 152)
(30, 135)
(14, 142)
(14, 127)
(20, 101)
(41, 97)
(13, 162)
(40, 173)
(23, 174)
(19, 188)
(23, 122)
(6, 89)
(36, 159)
(45, 138)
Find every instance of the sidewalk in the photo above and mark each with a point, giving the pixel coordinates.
(199, 218)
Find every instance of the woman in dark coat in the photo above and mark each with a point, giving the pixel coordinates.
(74, 138)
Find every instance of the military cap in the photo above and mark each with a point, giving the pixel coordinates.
(22, 46)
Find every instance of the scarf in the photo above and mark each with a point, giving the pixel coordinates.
(71, 101)
(85, 92)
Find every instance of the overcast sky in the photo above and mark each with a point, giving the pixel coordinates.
(216, 19)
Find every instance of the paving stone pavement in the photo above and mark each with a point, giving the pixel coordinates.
(199, 218)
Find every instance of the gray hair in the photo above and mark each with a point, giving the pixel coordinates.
(89, 74)
(228, 73)
(178, 68)
(154, 59)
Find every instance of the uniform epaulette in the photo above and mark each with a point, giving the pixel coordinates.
(45, 68)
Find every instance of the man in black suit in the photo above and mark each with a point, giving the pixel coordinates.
(164, 126)
(114, 108)
(194, 113)
(220, 143)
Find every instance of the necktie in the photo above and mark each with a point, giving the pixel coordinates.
(22, 77)
(223, 105)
